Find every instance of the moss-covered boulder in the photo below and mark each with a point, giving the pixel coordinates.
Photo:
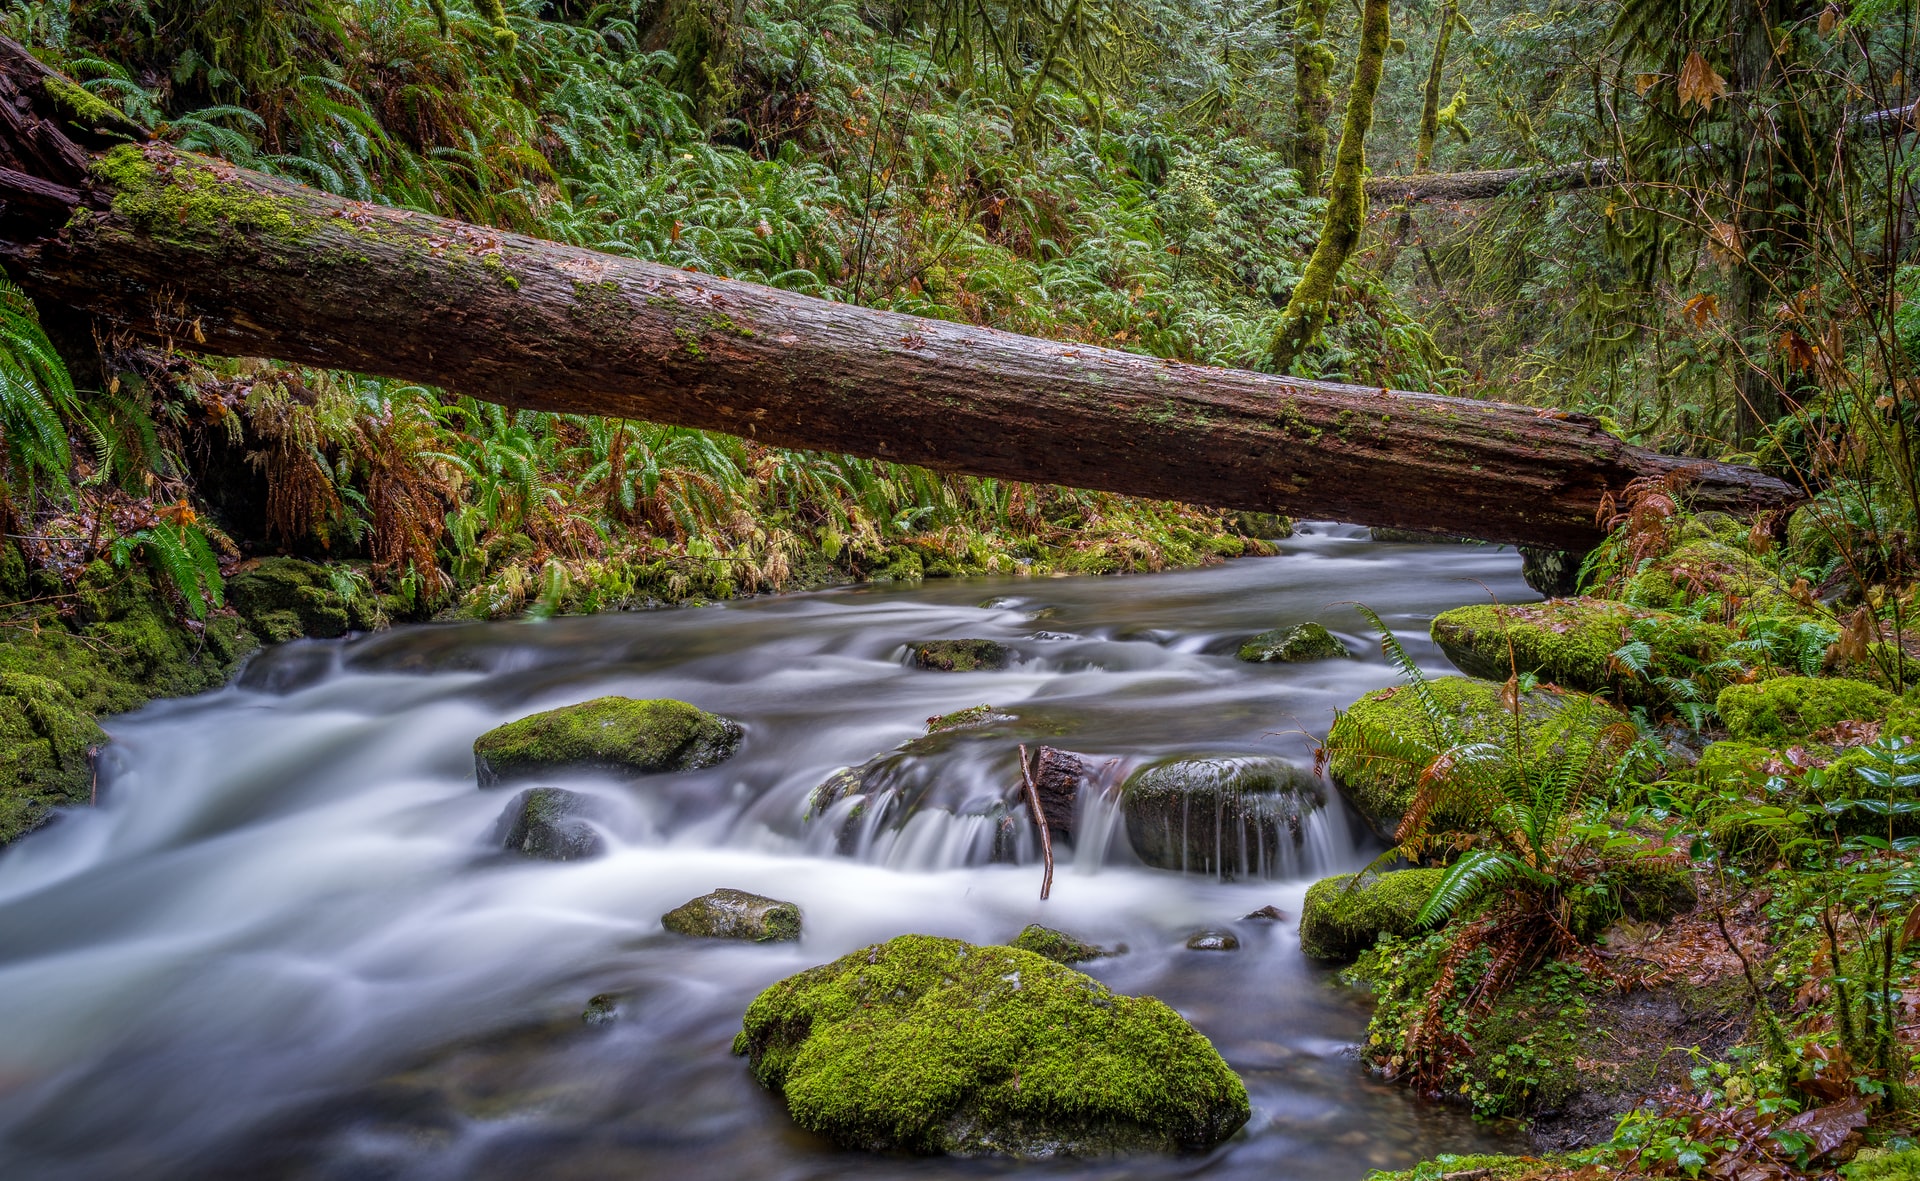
(1340, 919)
(1572, 642)
(932, 1045)
(1799, 707)
(46, 740)
(1714, 574)
(1228, 816)
(1883, 1164)
(1057, 946)
(285, 598)
(735, 914)
(1553, 726)
(961, 656)
(1293, 645)
(553, 824)
(1267, 526)
(611, 735)
(971, 718)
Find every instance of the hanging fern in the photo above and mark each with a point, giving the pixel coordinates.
(36, 397)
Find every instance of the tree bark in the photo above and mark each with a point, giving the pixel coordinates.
(1346, 216)
(214, 258)
(1312, 97)
(1430, 101)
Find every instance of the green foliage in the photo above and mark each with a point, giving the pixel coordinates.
(36, 399)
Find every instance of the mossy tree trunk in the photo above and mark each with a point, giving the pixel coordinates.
(1430, 105)
(1346, 200)
(215, 258)
(1312, 93)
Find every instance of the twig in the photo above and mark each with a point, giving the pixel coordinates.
(1039, 818)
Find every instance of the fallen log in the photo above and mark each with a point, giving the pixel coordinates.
(223, 260)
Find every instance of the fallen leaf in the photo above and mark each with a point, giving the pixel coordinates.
(1830, 1125)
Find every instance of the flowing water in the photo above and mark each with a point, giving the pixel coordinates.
(287, 943)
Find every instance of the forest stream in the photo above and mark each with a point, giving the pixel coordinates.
(288, 944)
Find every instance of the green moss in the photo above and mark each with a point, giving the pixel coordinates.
(188, 202)
(285, 598)
(1057, 946)
(735, 914)
(1571, 642)
(971, 718)
(1382, 787)
(961, 656)
(1713, 575)
(610, 734)
(1339, 920)
(81, 104)
(45, 742)
(1798, 707)
(933, 1045)
(1308, 641)
(1878, 1164)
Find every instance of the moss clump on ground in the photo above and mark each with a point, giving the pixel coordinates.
(1340, 919)
(1881, 1165)
(1711, 574)
(1381, 787)
(1799, 707)
(1057, 946)
(961, 656)
(118, 647)
(934, 1045)
(618, 735)
(1572, 642)
(1308, 641)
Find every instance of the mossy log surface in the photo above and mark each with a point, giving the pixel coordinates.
(216, 258)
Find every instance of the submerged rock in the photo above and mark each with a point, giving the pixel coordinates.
(619, 735)
(933, 1045)
(553, 824)
(1057, 946)
(971, 718)
(735, 914)
(1572, 643)
(1228, 816)
(1339, 919)
(961, 656)
(1213, 941)
(603, 1009)
(1267, 914)
(1381, 783)
(1295, 645)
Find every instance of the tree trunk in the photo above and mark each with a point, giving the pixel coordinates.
(1312, 98)
(210, 257)
(1430, 103)
(1346, 203)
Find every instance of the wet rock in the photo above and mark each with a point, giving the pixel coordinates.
(1213, 941)
(1294, 645)
(1269, 914)
(1266, 526)
(1227, 816)
(735, 914)
(1572, 642)
(553, 824)
(1381, 782)
(603, 1009)
(936, 1046)
(1340, 919)
(1551, 572)
(961, 656)
(971, 718)
(617, 735)
(1057, 946)
(1057, 776)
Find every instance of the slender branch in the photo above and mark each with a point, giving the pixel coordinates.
(1039, 818)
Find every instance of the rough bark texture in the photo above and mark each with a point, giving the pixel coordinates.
(1346, 197)
(222, 260)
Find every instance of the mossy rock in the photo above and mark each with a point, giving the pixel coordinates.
(1057, 946)
(45, 744)
(1266, 526)
(932, 1045)
(1571, 642)
(972, 718)
(613, 735)
(553, 824)
(1711, 573)
(1226, 816)
(1339, 919)
(735, 914)
(285, 598)
(961, 656)
(1417, 537)
(1552, 724)
(1294, 645)
(1798, 707)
